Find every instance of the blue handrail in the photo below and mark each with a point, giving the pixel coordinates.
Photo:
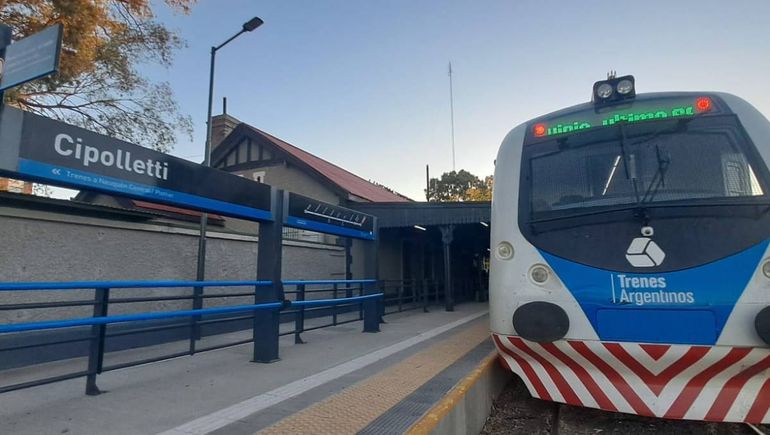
(77, 285)
(53, 324)
(13, 286)
(338, 301)
(329, 281)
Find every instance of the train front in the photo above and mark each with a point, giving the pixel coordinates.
(630, 268)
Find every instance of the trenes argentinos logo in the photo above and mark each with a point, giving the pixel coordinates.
(647, 290)
(644, 252)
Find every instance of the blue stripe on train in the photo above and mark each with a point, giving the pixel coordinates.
(689, 306)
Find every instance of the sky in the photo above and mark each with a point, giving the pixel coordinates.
(364, 84)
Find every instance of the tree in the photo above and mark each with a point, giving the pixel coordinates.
(458, 186)
(482, 192)
(98, 86)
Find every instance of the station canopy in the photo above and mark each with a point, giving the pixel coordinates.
(407, 214)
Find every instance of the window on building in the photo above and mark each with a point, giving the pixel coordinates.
(242, 147)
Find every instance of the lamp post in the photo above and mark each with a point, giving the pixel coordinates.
(201, 269)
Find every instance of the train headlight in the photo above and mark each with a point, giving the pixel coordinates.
(604, 91)
(624, 87)
(504, 251)
(766, 269)
(539, 273)
(613, 90)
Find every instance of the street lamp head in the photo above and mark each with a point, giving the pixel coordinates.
(252, 24)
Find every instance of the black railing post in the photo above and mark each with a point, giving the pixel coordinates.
(425, 286)
(372, 317)
(266, 325)
(447, 237)
(371, 311)
(195, 328)
(299, 315)
(335, 287)
(361, 304)
(96, 349)
(400, 294)
(381, 305)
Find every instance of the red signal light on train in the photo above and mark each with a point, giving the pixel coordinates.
(539, 130)
(703, 104)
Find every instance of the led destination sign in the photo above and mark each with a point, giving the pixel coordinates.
(590, 120)
(41, 149)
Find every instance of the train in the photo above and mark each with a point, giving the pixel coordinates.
(630, 269)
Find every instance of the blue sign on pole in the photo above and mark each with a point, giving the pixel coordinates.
(32, 57)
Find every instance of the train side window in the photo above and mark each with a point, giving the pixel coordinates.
(739, 177)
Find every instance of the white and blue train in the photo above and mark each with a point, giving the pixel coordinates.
(630, 268)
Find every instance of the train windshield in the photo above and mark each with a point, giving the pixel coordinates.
(652, 163)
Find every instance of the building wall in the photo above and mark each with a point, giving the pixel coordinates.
(389, 255)
(288, 177)
(44, 246)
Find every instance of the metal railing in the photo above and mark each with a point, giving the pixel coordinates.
(98, 335)
(304, 291)
(405, 295)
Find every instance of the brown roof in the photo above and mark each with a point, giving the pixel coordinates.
(346, 180)
(172, 209)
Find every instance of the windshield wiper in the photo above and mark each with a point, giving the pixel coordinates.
(629, 163)
(659, 179)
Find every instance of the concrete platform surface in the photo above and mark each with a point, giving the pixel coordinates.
(221, 391)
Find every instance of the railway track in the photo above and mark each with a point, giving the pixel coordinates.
(515, 412)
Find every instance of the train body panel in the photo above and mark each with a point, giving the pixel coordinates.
(713, 383)
(652, 308)
(512, 277)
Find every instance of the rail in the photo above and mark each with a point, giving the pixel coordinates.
(218, 320)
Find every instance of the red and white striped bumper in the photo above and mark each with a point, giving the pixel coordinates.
(714, 383)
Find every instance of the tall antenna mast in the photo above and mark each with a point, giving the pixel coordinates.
(452, 115)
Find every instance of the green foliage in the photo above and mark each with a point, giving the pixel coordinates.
(459, 186)
(481, 192)
(98, 86)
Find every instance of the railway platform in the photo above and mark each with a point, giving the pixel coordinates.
(413, 376)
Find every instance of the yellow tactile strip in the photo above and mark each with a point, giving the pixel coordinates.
(355, 407)
(431, 419)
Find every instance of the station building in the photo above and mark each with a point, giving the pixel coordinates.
(418, 241)
(420, 244)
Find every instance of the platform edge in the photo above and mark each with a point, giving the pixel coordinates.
(465, 408)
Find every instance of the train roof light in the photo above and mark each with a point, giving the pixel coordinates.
(703, 104)
(604, 91)
(624, 87)
(614, 89)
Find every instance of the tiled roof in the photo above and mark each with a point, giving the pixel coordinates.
(346, 180)
(172, 209)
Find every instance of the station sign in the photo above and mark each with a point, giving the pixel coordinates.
(310, 214)
(32, 57)
(45, 150)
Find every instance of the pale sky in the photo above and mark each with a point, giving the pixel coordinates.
(364, 84)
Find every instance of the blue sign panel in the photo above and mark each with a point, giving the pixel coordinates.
(310, 214)
(689, 306)
(40, 149)
(32, 57)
